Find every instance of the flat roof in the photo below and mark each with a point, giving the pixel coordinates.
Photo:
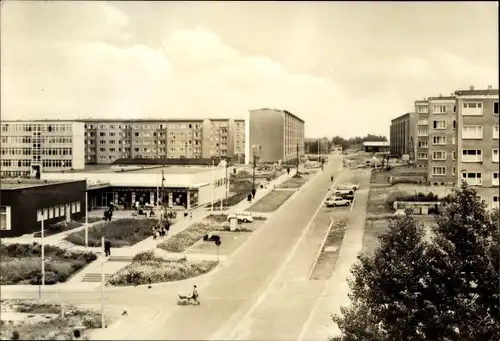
(139, 169)
(13, 184)
(172, 170)
(280, 110)
(376, 144)
(479, 92)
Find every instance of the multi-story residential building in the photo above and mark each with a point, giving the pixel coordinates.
(403, 135)
(316, 146)
(422, 143)
(442, 141)
(278, 133)
(185, 138)
(477, 141)
(30, 147)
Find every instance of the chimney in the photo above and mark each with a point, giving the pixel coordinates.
(490, 87)
(471, 87)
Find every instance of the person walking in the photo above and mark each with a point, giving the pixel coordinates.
(107, 248)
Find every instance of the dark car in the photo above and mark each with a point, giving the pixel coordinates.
(347, 196)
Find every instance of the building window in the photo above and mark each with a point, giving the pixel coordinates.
(495, 202)
(439, 155)
(422, 156)
(439, 171)
(494, 155)
(61, 210)
(494, 179)
(454, 124)
(56, 211)
(454, 155)
(5, 218)
(453, 140)
(495, 108)
(51, 212)
(439, 109)
(439, 140)
(422, 132)
(439, 124)
(453, 170)
(423, 144)
(472, 132)
(472, 109)
(472, 179)
(495, 132)
(422, 109)
(472, 155)
(423, 122)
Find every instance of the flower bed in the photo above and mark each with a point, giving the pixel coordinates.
(59, 227)
(21, 263)
(183, 240)
(120, 232)
(147, 268)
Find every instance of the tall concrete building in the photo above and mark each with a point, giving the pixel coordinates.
(403, 135)
(422, 144)
(30, 147)
(477, 141)
(278, 133)
(442, 141)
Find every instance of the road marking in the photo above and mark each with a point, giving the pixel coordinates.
(234, 333)
(158, 314)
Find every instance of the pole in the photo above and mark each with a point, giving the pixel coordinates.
(213, 187)
(227, 183)
(86, 221)
(186, 153)
(297, 158)
(254, 165)
(43, 249)
(102, 283)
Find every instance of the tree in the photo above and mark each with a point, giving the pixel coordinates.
(356, 141)
(444, 289)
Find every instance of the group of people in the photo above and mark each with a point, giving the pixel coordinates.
(160, 231)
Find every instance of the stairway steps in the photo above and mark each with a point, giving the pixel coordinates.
(95, 277)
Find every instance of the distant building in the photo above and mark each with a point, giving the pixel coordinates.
(31, 147)
(422, 144)
(278, 133)
(316, 145)
(403, 135)
(376, 146)
(26, 201)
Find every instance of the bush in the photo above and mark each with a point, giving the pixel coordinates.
(91, 220)
(217, 218)
(21, 263)
(227, 228)
(405, 181)
(183, 240)
(58, 227)
(120, 232)
(151, 269)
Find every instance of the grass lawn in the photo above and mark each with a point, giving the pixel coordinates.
(120, 232)
(296, 182)
(59, 227)
(230, 241)
(21, 263)
(328, 257)
(90, 220)
(146, 268)
(44, 321)
(271, 202)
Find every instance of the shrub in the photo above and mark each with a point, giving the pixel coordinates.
(217, 218)
(183, 240)
(121, 232)
(158, 270)
(227, 228)
(58, 228)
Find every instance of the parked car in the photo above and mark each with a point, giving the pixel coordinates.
(339, 191)
(241, 217)
(347, 196)
(353, 187)
(337, 201)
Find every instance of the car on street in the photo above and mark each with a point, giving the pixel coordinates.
(347, 196)
(353, 187)
(337, 201)
(241, 217)
(339, 192)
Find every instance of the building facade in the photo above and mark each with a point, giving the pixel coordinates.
(25, 203)
(477, 141)
(422, 143)
(442, 145)
(30, 147)
(278, 133)
(316, 146)
(403, 135)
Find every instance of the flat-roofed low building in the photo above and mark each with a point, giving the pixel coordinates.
(376, 146)
(31, 147)
(25, 201)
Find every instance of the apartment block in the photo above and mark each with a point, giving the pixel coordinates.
(422, 143)
(316, 146)
(477, 141)
(442, 145)
(403, 135)
(185, 139)
(30, 147)
(278, 133)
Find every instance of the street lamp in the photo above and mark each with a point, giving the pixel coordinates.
(254, 157)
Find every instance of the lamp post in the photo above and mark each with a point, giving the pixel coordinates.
(86, 221)
(213, 187)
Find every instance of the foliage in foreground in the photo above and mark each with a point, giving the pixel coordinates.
(21, 263)
(147, 268)
(120, 232)
(446, 289)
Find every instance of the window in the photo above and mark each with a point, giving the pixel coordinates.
(422, 109)
(494, 155)
(61, 211)
(472, 155)
(5, 218)
(51, 212)
(453, 140)
(454, 170)
(495, 132)
(472, 132)
(73, 207)
(423, 144)
(56, 211)
(439, 109)
(439, 124)
(439, 155)
(454, 124)
(495, 108)
(495, 204)
(423, 122)
(472, 109)
(494, 179)
(422, 156)
(422, 132)
(439, 171)
(439, 140)
(473, 179)
(454, 155)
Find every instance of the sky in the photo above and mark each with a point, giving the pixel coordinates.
(346, 68)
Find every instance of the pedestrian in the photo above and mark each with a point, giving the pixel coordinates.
(167, 228)
(253, 193)
(249, 197)
(331, 178)
(107, 248)
(191, 215)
